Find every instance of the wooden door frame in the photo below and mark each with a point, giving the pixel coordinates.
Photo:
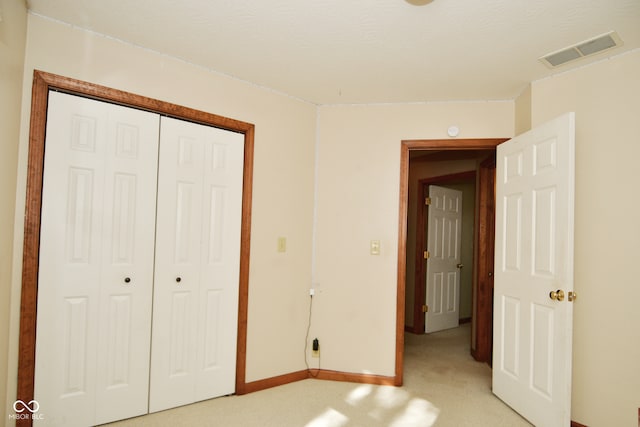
(482, 350)
(405, 147)
(44, 82)
(419, 288)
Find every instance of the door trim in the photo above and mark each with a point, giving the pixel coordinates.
(405, 147)
(482, 350)
(42, 83)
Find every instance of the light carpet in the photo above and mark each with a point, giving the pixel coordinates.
(443, 386)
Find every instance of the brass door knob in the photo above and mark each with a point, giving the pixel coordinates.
(572, 296)
(460, 265)
(557, 295)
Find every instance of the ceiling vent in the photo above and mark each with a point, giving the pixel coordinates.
(582, 49)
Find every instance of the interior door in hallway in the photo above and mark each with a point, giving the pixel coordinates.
(95, 262)
(444, 237)
(195, 307)
(533, 314)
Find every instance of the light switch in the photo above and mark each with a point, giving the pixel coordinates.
(375, 247)
(282, 244)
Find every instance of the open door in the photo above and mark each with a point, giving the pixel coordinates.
(444, 238)
(534, 290)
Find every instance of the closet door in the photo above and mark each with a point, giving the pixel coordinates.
(96, 262)
(195, 304)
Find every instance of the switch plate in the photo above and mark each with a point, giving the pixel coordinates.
(375, 247)
(282, 244)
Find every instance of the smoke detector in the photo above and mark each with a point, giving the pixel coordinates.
(580, 50)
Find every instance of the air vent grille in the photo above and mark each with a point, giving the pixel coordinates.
(582, 49)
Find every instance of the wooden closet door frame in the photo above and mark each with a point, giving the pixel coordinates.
(44, 82)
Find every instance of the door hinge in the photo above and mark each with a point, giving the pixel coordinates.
(427, 201)
(425, 308)
(426, 255)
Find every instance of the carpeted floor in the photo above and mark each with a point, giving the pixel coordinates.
(444, 387)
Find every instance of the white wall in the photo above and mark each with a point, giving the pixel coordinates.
(282, 187)
(606, 100)
(13, 30)
(358, 201)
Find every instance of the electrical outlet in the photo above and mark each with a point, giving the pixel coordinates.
(315, 349)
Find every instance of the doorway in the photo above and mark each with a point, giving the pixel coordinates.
(448, 147)
(417, 239)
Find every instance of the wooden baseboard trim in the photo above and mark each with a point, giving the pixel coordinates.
(321, 374)
(324, 374)
(576, 424)
(273, 382)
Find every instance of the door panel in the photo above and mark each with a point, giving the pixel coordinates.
(92, 346)
(197, 264)
(534, 257)
(444, 237)
(131, 165)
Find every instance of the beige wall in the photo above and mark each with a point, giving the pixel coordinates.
(13, 30)
(282, 187)
(606, 100)
(523, 111)
(358, 201)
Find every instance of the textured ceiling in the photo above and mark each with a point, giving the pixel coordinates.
(363, 51)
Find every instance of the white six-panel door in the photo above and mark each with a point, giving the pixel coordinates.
(534, 259)
(197, 264)
(96, 262)
(444, 237)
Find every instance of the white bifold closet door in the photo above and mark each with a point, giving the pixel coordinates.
(110, 205)
(96, 262)
(195, 304)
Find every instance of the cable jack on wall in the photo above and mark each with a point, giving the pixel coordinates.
(316, 343)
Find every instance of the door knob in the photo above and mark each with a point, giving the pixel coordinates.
(557, 295)
(572, 296)
(460, 265)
